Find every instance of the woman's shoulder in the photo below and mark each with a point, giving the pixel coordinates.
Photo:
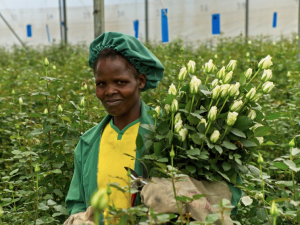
(93, 132)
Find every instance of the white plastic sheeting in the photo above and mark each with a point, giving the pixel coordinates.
(187, 19)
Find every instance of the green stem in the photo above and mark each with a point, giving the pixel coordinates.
(20, 107)
(207, 76)
(263, 187)
(174, 190)
(217, 102)
(223, 105)
(172, 127)
(224, 133)
(96, 217)
(261, 83)
(211, 102)
(37, 198)
(155, 123)
(178, 86)
(274, 220)
(192, 103)
(222, 216)
(14, 201)
(293, 176)
(253, 77)
(208, 126)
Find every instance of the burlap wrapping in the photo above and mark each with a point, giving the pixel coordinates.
(159, 194)
(80, 218)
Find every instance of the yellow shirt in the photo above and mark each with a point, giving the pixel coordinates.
(111, 162)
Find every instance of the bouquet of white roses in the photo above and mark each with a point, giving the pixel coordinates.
(212, 127)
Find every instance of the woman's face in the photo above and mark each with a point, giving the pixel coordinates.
(117, 87)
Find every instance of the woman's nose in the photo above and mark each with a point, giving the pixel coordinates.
(110, 90)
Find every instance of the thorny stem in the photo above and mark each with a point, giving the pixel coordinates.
(223, 105)
(253, 77)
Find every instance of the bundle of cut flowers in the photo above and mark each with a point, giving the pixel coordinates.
(213, 127)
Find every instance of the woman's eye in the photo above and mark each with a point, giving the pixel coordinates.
(100, 84)
(121, 82)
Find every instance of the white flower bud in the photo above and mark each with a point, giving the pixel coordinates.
(13, 92)
(224, 90)
(20, 101)
(255, 126)
(212, 114)
(221, 73)
(202, 121)
(289, 74)
(183, 133)
(250, 95)
(178, 126)
(215, 136)
(227, 78)
(247, 54)
(191, 67)
(167, 108)
(46, 62)
(231, 65)
(234, 89)
(248, 73)
(216, 92)
(267, 75)
(45, 111)
(157, 110)
(99, 200)
(252, 114)
(273, 210)
(194, 85)
(257, 97)
(83, 86)
(231, 118)
(267, 87)
(172, 90)
(265, 63)
(209, 66)
(59, 109)
(214, 83)
(82, 102)
(177, 117)
(236, 105)
(174, 106)
(182, 74)
(54, 67)
(260, 140)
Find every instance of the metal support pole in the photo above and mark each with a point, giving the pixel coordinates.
(298, 30)
(65, 21)
(247, 19)
(146, 21)
(12, 30)
(98, 17)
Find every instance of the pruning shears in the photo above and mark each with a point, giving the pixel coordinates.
(138, 181)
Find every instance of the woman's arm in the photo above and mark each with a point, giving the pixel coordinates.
(75, 199)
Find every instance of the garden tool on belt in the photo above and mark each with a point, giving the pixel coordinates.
(86, 217)
(159, 195)
(138, 181)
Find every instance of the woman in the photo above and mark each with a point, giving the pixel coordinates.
(123, 68)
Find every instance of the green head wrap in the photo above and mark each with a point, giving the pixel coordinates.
(134, 51)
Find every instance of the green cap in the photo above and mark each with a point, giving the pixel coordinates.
(134, 51)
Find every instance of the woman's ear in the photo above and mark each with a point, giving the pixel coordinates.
(142, 80)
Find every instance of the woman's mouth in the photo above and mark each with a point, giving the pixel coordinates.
(113, 102)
